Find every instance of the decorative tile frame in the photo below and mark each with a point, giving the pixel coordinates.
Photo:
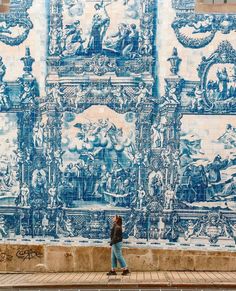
(14, 15)
(19, 97)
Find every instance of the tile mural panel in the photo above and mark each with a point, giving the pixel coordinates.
(117, 107)
(9, 185)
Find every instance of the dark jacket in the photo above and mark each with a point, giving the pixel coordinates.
(116, 234)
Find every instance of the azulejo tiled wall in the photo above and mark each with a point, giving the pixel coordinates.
(117, 107)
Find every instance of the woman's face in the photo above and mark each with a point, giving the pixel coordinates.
(114, 219)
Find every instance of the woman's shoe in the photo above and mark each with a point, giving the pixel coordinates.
(111, 273)
(125, 272)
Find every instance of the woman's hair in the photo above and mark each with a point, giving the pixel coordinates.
(118, 220)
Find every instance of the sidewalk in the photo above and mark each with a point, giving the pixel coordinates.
(135, 280)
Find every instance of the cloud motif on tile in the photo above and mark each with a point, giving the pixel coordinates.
(75, 7)
(133, 9)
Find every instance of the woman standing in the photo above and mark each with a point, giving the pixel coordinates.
(116, 247)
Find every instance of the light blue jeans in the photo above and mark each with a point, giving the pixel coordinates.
(116, 256)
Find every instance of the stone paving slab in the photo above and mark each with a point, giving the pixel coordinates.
(78, 289)
(135, 281)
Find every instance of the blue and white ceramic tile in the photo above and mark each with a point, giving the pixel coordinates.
(117, 107)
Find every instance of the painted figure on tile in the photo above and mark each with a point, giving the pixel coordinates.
(38, 134)
(118, 92)
(53, 45)
(141, 197)
(45, 224)
(156, 137)
(131, 48)
(125, 42)
(170, 96)
(155, 183)
(79, 95)
(73, 41)
(52, 195)
(191, 230)
(3, 229)
(4, 99)
(118, 40)
(228, 138)
(223, 83)
(29, 90)
(80, 172)
(2, 70)
(56, 93)
(58, 156)
(154, 233)
(230, 190)
(24, 195)
(142, 93)
(159, 133)
(68, 226)
(221, 90)
(100, 24)
(197, 103)
(214, 168)
(39, 182)
(199, 182)
(169, 197)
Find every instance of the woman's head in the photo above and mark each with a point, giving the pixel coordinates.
(117, 219)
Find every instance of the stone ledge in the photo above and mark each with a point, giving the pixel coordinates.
(217, 8)
(47, 258)
(4, 6)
